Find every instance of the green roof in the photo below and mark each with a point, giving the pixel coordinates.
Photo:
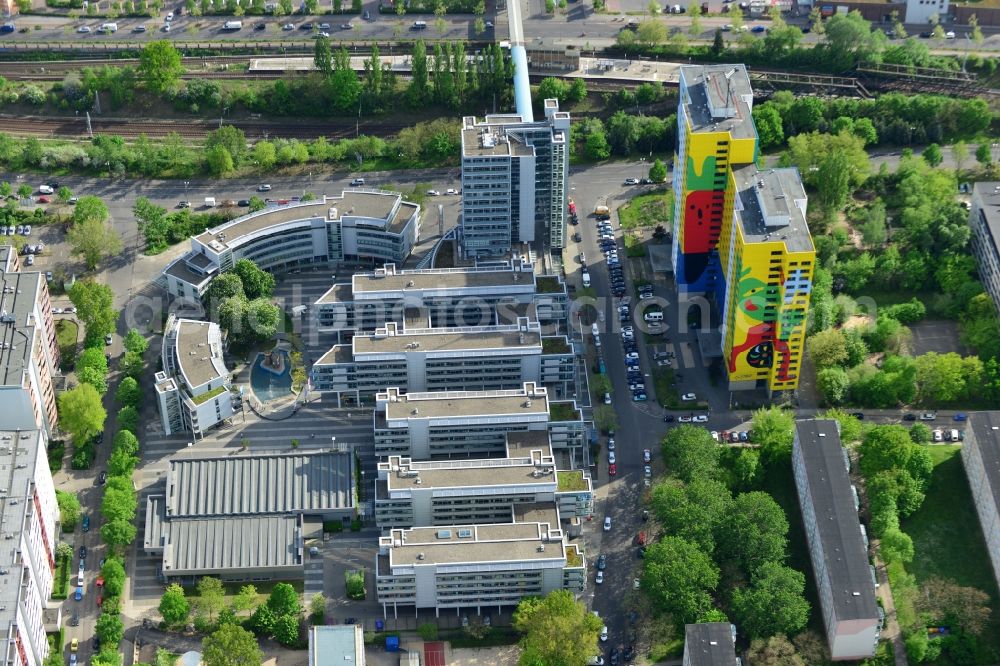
(563, 411)
(208, 395)
(570, 481)
(548, 284)
(556, 345)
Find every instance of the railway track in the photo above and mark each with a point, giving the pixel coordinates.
(76, 127)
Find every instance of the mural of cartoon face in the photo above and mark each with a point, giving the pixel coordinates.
(698, 237)
(751, 295)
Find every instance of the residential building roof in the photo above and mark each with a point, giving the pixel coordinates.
(719, 99)
(259, 484)
(837, 523)
(985, 436)
(709, 644)
(988, 195)
(771, 207)
(426, 340)
(441, 280)
(17, 324)
(474, 544)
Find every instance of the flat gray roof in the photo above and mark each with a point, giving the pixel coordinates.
(988, 194)
(212, 545)
(440, 279)
(985, 427)
(484, 543)
(771, 194)
(17, 328)
(709, 644)
(338, 293)
(484, 474)
(179, 269)
(7, 256)
(428, 340)
(336, 354)
(720, 98)
(462, 404)
(259, 484)
(199, 351)
(336, 644)
(520, 443)
(837, 525)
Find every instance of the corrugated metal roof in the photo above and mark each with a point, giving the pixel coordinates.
(259, 484)
(212, 544)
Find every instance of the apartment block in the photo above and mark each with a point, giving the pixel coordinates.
(247, 517)
(29, 354)
(481, 566)
(981, 458)
(429, 425)
(514, 176)
(412, 493)
(710, 644)
(193, 389)
(984, 220)
(740, 236)
(441, 297)
(29, 526)
(360, 227)
(437, 359)
(834, 533)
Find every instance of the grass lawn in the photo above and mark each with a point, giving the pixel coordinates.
(60, 587)
(947, 540)
(67, 332)
(648, 210)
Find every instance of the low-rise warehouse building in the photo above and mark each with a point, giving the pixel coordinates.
(247, 517)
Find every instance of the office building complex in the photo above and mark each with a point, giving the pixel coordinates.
(481, 566)
(193, 389)
(247, 517)
(470, 423)
(984, 220)
(441, 297)
(409, 493)
(514, 175)
(29, 354)
(475, 358)
(981, 458)
(839, 557)
(710, 644)
(360, 227)
(29, 527)
(740, 234)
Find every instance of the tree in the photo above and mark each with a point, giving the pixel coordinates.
(224, 286)
(679, 577)
(286, 629)
(126, 441)
(174, 607)
(113, 574)
(932, 154)
(959, 153)
(93, 241)
(658, 172)
(920, 433)
(63, 193)
(896, 546)
(849, 39)
(94, 307)
(211, 596)
(947, 602)
(219, 160)
(24, 191)
(232, 139)
(556, 629)
(69, 509)
(81, 413)
(134, 342)
(885, 447)
(773, 603)
(553, 88)
(119, 502)
(835, 185)
(93, 377)
(110, 629)
(90, 208)
(828, 348)
(128, 418)
(691, 453)
(231, 645)
(121, 463)
(651, 32)
(718, 43)
(833, 385)
(284, 600)
(256, 282)
(753, 531)
(596, 146)
(129, 392)
(774, 430)
(244, 599)
(317, 608)
(691, 511)
(323, 56)
(983, 154)
(160, 66)
(694, 11)
(774, 651)
(769, 126)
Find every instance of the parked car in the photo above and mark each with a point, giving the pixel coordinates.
(689, 397)
(86, 523)
(928, 416)
(358, 182)
(607, 523)
(599, 578)
(631, 181)
(701, 418)
(647, 455)
(602, 562)
(961, 416)
(612, 470)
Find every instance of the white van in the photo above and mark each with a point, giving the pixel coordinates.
(108, 27)
(232, 25)
(209, 202)
(954, 435)
(653, 316)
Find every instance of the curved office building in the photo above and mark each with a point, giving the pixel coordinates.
(360, 227)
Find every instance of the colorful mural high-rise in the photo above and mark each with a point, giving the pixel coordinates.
(740, 234)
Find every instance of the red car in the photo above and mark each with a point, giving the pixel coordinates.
(44, 200)
(612, 470)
